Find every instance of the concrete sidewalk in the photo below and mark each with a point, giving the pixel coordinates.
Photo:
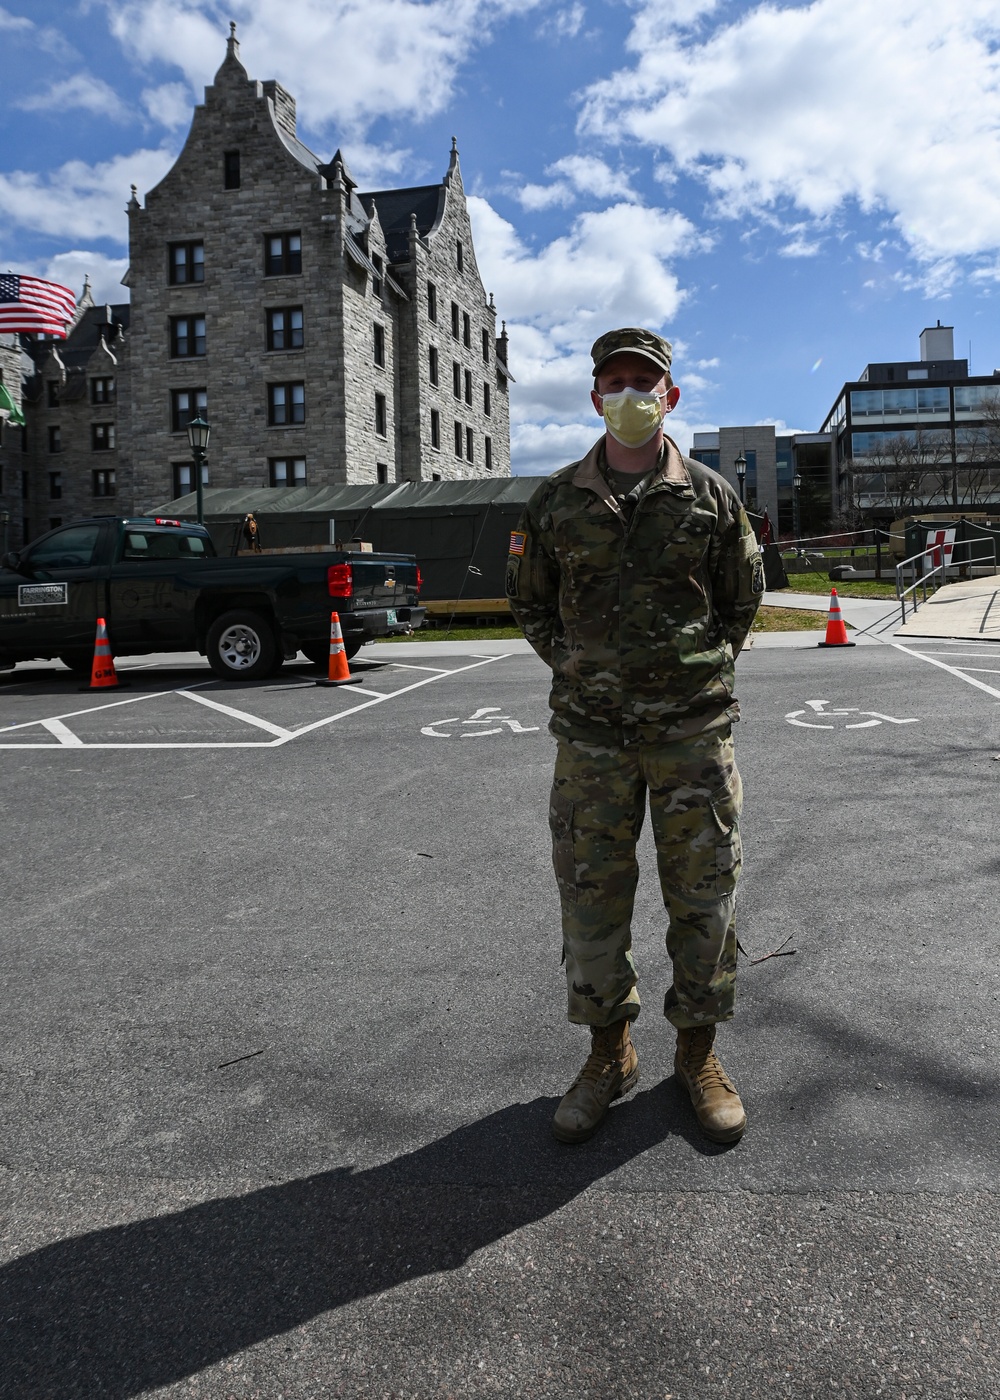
(966, 611)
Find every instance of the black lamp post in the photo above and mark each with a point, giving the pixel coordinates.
(741, 472)
(796, 488)
(4, 521)
(198, 431)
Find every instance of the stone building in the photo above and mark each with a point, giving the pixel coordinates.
(72, 458)
(327, 335)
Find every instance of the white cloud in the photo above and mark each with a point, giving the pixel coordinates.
(586, 176)
(78, 201)
(610, 269)
(801, 247)
(404, 54)
(713, 363)
(535, 197)
(894, 106)
(82, 91)
(169, 104)
(14, 23)
(105, 274)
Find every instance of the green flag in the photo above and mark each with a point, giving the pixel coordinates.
(9, 410)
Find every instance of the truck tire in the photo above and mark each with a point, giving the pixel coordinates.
(319, 652)
(79, 662)
(241, 646)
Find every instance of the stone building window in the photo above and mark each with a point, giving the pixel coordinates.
(381, 473)
(487, 402)
(183, 477)
(435, 476)
(55, 440)
(435, 429)
(459, 255)
(186, 404)
(488, 453)
(52, 393)
(102, 390)
(231, 170)
(456, 379)
(486, 346)
(102, 437)
(55, 521)
(378, 345)
(186, 262)
(432, 364)
(468, 443)
(459, 438)
(25, 493)
(103, 482)
(454, 319)
(286, 471)
(379, 267)
(286, 404)
(187, 336)
(432, 302)
(282, 254)
(466, 330)
(55, 486)
(380, 415)
(285, 328)
(468, 387)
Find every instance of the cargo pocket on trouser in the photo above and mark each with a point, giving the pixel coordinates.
(725, 806)
(563, 854)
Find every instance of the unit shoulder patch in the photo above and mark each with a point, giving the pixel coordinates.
(517, 542)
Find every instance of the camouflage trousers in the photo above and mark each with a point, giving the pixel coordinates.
(596, 812)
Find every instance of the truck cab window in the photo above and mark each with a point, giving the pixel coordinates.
(72, 548)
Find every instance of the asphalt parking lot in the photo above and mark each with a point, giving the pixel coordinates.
(284, 1030)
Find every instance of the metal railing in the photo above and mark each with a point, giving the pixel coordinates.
(923, 575)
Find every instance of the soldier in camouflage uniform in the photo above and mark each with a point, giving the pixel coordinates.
(636, 576)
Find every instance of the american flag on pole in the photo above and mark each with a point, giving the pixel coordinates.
(29, 304)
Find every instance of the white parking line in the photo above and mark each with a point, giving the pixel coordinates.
(62, 733)
(237, 714)
(952, 670)
(283, 736)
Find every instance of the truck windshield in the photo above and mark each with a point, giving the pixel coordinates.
(149, 544)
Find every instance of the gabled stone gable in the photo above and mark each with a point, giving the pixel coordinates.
(286, 189)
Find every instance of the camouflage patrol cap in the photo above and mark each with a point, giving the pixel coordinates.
(637, 342)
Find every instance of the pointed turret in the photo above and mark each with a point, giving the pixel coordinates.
(232, 70)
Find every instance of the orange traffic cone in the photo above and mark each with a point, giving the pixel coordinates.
(836, 632)
(339, 672)
(103, 675)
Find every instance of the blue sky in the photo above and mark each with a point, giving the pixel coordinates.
(787, 191)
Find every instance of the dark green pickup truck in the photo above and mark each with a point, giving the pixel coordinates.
(161, 587)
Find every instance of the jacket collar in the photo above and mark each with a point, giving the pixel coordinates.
(671, 471)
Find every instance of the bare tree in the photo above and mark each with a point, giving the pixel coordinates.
(979, 451)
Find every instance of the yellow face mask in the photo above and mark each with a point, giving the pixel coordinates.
(632, 418)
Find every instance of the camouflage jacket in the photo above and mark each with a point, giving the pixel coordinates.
(639, 615)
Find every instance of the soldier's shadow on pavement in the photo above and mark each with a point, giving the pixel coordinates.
(123, 1310)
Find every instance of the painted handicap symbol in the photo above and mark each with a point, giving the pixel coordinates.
(488, 715)
(818, 708)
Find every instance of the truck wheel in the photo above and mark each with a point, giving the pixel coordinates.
(241, 646)
(79, 662)
(318, 653)
(352, 645)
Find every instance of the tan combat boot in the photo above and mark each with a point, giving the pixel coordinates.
(713, 1094)
(612, 1068)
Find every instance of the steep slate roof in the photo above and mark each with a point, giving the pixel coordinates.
(394, 210)
(96, 323)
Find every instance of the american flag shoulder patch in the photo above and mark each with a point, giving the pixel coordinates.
(517, 539)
